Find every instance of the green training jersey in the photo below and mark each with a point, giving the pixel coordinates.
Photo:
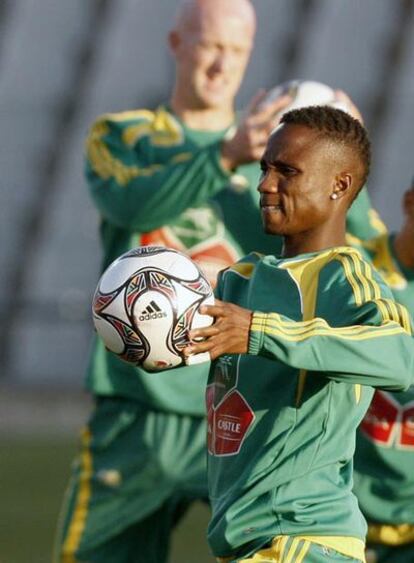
(384, 457)
(282, 419)
(155, 181)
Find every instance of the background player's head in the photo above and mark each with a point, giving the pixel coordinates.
(211, 43)
(315, 163)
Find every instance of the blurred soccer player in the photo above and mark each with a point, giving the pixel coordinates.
(173, 176)
(300, 342)
(384, 457)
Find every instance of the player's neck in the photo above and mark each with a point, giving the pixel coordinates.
(404, 245)
(214, 119)
(313, 241)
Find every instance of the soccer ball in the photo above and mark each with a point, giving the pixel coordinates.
(146, 302)
(305, 93)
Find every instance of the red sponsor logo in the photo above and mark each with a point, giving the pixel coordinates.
(388, 423)
(407, 427)
(227, 423)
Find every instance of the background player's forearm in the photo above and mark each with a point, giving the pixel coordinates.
(156, 195)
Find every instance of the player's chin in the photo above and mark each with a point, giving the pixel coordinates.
(275, 227)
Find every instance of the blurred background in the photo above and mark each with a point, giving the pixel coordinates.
(61, 64)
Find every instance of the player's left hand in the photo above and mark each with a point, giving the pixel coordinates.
(228, 335)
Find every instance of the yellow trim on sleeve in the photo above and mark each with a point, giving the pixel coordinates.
(393, 311)
(320, 327)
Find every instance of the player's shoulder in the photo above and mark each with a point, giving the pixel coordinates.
(351, 269)
(244, 267)
(160, 126)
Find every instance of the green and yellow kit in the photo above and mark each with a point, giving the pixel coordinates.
(155, 181)
(384, 457)
(282, 418)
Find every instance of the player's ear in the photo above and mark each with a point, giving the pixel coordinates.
(342, 185)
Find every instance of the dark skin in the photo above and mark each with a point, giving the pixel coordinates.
(306, 188)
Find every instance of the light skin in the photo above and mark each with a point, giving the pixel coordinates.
(211, 43)
(306, 188)
(404, 239)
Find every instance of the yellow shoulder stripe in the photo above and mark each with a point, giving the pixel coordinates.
(360, 277)
(106, 166)
(162, 129)
(244, 269)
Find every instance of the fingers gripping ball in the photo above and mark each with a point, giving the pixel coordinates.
(145, 304)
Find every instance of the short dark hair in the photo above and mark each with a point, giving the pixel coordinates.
(338, 126)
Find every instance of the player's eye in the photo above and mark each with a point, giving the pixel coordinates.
(286, 170)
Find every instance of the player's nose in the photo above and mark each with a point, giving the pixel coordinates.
(268, 184)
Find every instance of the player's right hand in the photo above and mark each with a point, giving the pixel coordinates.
(249, 141)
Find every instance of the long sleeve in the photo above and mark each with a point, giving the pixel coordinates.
(377, 350)
(142, 173)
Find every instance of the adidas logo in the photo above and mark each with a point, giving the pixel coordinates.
(152, 311)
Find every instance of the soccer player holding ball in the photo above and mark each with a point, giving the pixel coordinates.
(299, 343)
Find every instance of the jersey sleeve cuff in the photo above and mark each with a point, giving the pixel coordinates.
(256, 334)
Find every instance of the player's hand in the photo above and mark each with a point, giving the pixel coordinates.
(228, 335)
(341, 96)
(249, 141)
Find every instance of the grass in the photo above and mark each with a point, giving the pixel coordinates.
(33, 475)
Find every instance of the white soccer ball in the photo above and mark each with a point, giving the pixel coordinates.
(305, 93)
(146, 302)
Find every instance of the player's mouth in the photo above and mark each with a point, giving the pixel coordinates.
(272, 207)
(269, 206)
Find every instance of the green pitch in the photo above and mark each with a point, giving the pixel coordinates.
(33, 476)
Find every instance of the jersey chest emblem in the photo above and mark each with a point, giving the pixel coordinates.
(389, 423)
(200, 233)
(229, 415)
